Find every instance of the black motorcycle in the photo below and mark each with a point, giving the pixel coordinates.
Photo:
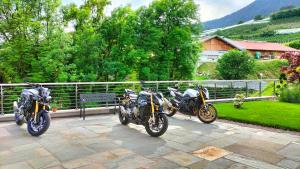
(33, 107)
(192, 102)
(144, 109)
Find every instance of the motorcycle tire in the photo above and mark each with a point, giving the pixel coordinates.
(45, 119)
(123, 119)
(171, 112)
(162, 131)
(210, 119)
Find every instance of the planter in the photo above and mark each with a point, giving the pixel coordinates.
(54, 109)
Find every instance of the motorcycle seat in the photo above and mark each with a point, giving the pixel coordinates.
(172, 89)
(179, 94)
(133, 96)
(129, 91)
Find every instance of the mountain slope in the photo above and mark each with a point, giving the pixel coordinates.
(258, 7)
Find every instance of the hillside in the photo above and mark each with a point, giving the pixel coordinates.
(270, 69)
(265, 32)
(258, 7)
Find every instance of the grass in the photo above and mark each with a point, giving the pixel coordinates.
(266, 113)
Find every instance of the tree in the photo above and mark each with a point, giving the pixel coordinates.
(166, 40)
(235, 65)
(258, 17)
(293, 70)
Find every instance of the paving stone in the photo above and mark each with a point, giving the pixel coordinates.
(251, 162)
(290, 164)
(261, 145)
(255, 153)
(102, 142)
(182, 158)
(210, 153)
(292, 151)
(160, 163)
(4, 132)
(43, 162)
(239, 166)
(19, 165)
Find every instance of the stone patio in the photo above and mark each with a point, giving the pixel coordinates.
(101, 142)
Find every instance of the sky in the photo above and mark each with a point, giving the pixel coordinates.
(209, 9)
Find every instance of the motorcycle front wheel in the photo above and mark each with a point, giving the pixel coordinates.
(156, 129)
(37, 129)
(207, 115)
(122, 117)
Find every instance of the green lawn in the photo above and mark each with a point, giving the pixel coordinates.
(266, 113)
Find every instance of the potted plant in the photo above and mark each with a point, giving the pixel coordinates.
(238, 101)
(54, 106)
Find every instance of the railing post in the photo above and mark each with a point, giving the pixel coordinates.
(106, 92)
(1, 93)
(260, 89)
(157, 86)
(232, 93)
(215, 91)
(274, 88)
(76, 96)
(246, 89)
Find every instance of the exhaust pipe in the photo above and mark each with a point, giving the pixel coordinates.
(20, 118)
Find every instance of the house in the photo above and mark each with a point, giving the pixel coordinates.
(216, 46)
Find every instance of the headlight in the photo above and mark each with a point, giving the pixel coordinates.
(48, 98)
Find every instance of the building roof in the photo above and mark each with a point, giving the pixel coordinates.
(226, 40)
(253, 45)
(264, 46)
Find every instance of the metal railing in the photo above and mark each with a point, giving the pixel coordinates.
(66, 95)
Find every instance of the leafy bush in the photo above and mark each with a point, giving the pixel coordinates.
(235, 65)
(238, 100)
(258, 17)
(290, 94)
(294, 44)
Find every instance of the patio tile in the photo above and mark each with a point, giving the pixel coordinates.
(43, 162)
(292, 151)
(210, 153)
(251, 162)
(19, 165)
(258, 154)
(182, 158)
(261, 145)
(290, 164)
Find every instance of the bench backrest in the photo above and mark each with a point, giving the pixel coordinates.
(98, 97)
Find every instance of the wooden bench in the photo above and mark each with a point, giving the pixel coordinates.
(96, 98)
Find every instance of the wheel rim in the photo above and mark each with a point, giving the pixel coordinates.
(37, 127)
(156, 128)
(207, 114)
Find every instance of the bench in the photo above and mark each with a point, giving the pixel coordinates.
(96, 98)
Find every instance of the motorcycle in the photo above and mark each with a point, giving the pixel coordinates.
(146, 109)
(33, 108)
(192, 102)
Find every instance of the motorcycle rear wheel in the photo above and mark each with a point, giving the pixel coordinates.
(208, 115)
(164, 122)
(39, 129)
(171, 112)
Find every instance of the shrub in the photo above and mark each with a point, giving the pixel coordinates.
(235, 65)
(290, 94)
(238, 101)
(295, 44)
(286, 14)
(258, 17)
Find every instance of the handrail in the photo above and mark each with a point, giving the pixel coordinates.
(135, 82)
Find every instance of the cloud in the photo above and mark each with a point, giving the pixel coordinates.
(209, 9)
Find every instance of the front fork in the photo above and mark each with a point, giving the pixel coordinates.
(36, 112)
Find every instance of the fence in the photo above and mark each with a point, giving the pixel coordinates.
(66, 95)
